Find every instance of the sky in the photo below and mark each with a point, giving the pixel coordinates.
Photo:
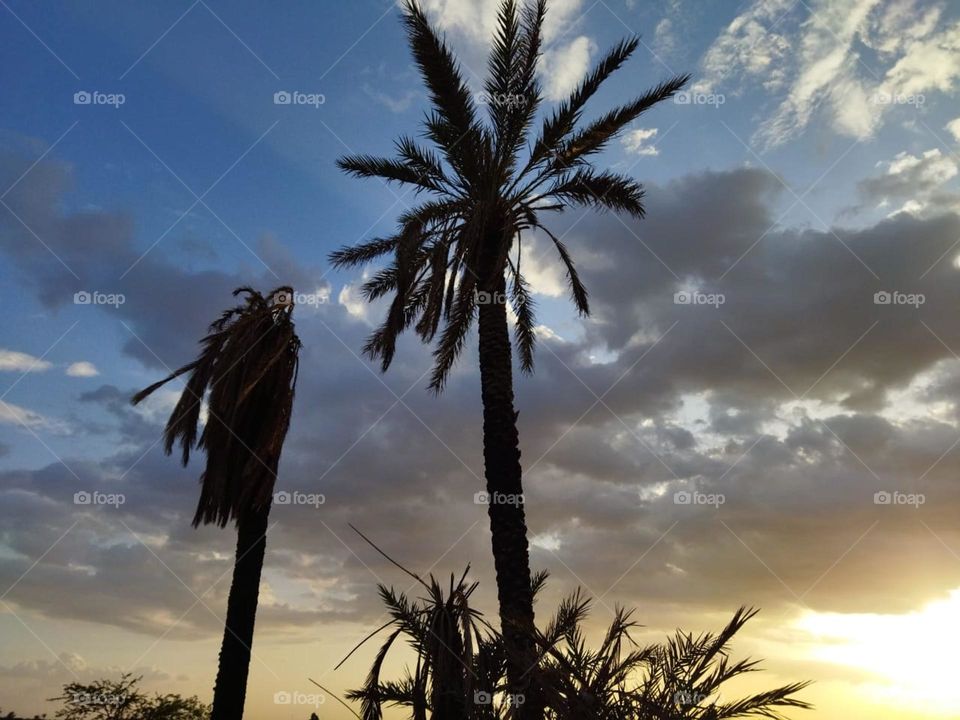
(761, 410)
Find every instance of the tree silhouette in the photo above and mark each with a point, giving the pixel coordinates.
(248, 368)
(488, 183)
(461, 663)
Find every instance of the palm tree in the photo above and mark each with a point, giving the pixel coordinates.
(452, 253)
(248, 367)
(458, 653)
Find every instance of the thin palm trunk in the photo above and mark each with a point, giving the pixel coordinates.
(230, 689)
(503, 474)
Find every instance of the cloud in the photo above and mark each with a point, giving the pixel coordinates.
(635, 141)
(11, 414)
(797, 399)
(916, 180)
(750, 45)
(100, 250)
(82, 369)
(11, 360)
(354, 303)
(817, 65)
(565, 66)
(953, 127)
(394, 104)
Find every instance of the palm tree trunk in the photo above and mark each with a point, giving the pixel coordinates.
(230, 689)
(508, 527)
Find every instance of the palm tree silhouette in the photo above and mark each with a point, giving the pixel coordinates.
(248, 365)
(451, 255)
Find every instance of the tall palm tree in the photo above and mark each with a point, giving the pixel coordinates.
(487, 183)
(248, 369)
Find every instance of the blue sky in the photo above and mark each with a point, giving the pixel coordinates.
(815, 165)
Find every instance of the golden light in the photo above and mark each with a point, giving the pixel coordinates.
(913, 656)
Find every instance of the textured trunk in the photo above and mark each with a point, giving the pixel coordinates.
(508, 527)
(230, 690)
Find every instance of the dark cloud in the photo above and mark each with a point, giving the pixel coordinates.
(780, 400)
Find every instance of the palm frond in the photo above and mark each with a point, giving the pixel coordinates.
(595, 136)
(601, 190)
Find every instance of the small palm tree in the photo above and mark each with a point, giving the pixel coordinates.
(453, 253)
(682, 678)
(248, 369)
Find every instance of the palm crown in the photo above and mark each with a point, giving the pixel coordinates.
(248, 371)
(488, 181)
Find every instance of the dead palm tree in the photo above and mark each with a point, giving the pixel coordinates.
(248, 369)
(452, 253)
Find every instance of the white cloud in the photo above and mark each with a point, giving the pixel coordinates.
(933, 166)
(818, 61)
(82, 369)
(11, 360)
(354, 303)
(748, 46)
(635, 141)
(15, 415)
(564, 67)
(542, 268)
(476, 20)
(953, 127)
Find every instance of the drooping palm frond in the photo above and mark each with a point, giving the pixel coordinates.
(489, 179)
(682, 678)
(247, 372)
